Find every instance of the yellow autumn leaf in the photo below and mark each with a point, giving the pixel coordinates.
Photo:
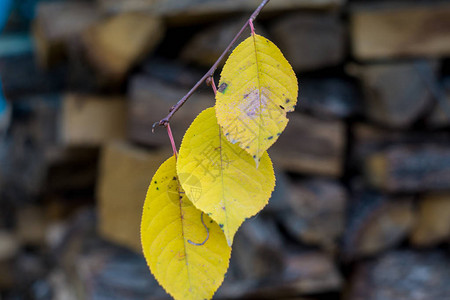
(256, 89)
(186, 251)
(220, 178)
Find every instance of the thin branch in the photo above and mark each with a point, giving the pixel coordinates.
(210, 73)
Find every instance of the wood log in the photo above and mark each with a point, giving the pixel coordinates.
(310, 145)
(396, 94)
(391, 31)
(92, 120)
(315, 214)
(330, 97)
(305, 273)
(433, 221)
(318, 42)
(58, 22)
(376, 223)
(402, 275)
(403, 168)
(150, 101)
(116, 44)
(258, 249)
(124, 177)
(369, 139)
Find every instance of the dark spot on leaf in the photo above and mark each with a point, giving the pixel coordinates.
(223, 87)
(270, 137)
(211, 221)
(155, 182)
(281, 106)
(247, 147)
(279, 133)
(246, 95)
(227, 134)
(254, 156)
(174, 178)
(288, 100)
(221, 225)
(157, 188)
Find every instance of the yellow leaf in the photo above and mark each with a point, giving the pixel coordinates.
(220, 178)
(170, 229)
(256, 89)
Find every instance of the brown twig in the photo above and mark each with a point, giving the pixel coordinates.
(210, 73)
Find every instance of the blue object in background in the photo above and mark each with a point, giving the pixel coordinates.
(5, 112)
(5, 9)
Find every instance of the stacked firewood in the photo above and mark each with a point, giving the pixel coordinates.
(361, 208)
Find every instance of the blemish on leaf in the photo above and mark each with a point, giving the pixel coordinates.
(281, 106)
(279, 133)
(155, 182)
(288, 100)
(270, 137)
(157, 188)
(221, 226)
(223, 87)
(174, 178)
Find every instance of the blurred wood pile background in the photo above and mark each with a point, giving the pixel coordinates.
(361, 209)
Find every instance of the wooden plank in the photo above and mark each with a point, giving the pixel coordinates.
(404, 31)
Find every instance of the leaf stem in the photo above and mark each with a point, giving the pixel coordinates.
(252, 28)
(172, 141)
(213, 84)
(210, 73)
